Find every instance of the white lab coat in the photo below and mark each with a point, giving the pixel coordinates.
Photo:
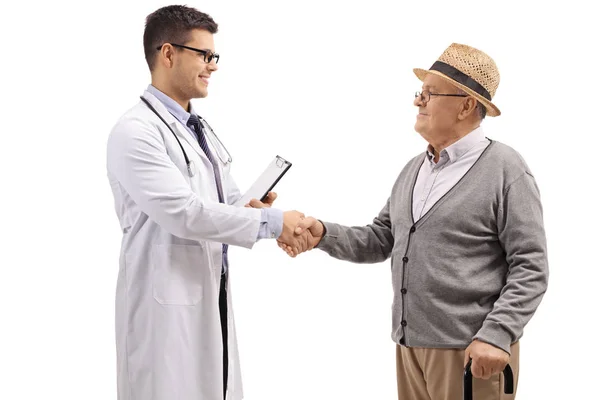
(168, 329)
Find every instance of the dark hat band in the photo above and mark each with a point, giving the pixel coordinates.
(460, 77)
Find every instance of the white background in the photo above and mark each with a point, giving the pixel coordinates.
(329, 86)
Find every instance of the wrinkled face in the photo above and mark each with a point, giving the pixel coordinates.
(438, 115)
(191, 73)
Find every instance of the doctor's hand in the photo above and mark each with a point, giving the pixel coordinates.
(255, 203)
(488, 360)
(309, 231)
(297, 243)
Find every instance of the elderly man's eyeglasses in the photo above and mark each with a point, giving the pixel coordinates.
(208, 55)
(425, 95)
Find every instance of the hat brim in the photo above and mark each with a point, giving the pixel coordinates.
(492, 110)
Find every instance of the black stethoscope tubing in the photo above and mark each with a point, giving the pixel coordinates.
(185, 156)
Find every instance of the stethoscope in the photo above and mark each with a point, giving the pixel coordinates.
(206, 127)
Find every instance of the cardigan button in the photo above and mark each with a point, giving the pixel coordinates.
(403, 323)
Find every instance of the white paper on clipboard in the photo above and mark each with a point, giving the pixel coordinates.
(266, 181)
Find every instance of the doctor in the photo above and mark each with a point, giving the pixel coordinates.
(169, 175)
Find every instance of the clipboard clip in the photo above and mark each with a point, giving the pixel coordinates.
(266, 181)
(280, 162)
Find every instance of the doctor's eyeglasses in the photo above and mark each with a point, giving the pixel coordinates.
(208, 55)
(425, 95)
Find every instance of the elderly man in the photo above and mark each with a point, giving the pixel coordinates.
(464, 229)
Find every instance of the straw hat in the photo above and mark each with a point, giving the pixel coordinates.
(470, 70)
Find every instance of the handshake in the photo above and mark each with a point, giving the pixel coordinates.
(299, 234)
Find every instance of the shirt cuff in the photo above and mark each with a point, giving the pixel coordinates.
(271, 223)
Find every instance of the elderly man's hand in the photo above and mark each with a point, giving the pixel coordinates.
(488, 360)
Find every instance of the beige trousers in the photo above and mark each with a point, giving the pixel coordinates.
(437, 374)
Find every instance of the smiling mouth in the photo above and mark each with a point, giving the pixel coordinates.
(205, 80)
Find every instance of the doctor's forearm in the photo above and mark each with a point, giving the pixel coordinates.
(203, 221)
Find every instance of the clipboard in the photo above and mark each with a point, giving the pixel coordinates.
(266, 181)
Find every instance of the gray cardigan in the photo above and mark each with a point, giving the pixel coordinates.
(473, 267)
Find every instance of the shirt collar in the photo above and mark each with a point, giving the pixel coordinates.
(459, 148)
(172, 106)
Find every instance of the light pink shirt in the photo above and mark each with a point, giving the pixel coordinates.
(436, 179)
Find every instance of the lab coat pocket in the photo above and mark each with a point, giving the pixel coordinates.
(179, 273)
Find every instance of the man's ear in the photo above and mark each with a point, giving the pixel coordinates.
(468, 107)
(165, 56)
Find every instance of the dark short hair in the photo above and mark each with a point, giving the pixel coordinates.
(173, 24)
